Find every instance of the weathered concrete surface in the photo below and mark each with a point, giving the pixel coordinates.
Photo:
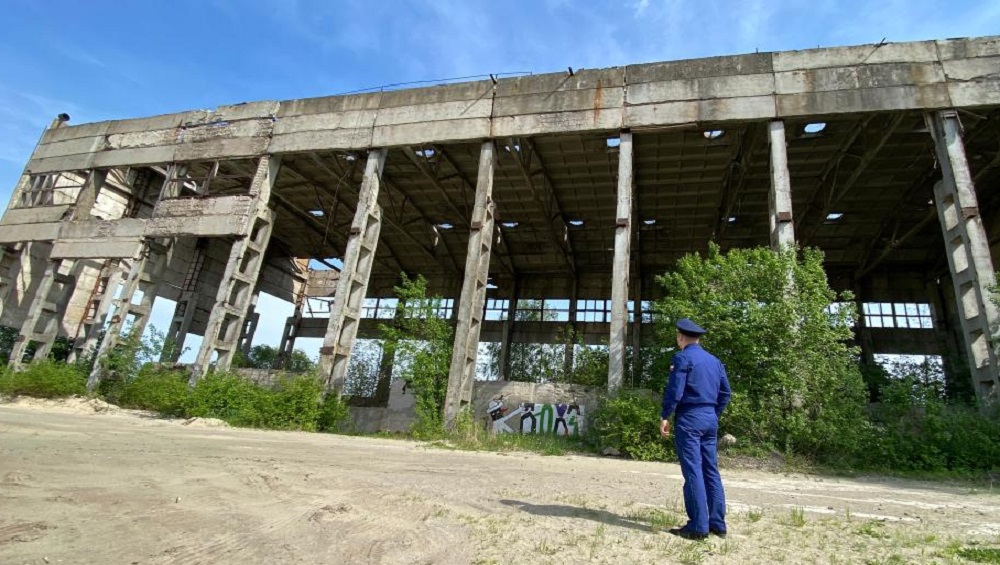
(829, 81)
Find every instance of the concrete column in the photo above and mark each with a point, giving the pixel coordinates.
(779, 201)
(250, 325)
(637, 329)
(246, 258)
(291, 331)
(968, 251)
(187, 305)
(949, 329)
(570, 353)
(864, 334)
(470, 307)
(335, 355)
(122, 306)
(87, 199)
(41, 307)
(508, 330)
(386, 364)
(10, 269)
(620, 270)
(112, 273)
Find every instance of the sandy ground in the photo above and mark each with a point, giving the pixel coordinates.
(86, 483)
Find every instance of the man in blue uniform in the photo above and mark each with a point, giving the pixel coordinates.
(697, 393)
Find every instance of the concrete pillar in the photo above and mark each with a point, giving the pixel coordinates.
(968, 251)
(470, 308)
(249, 325)
(145, 272)
(637, 330)
(291, 331)
(570, 353)
(387, 363)
(87, 199)
(41, 310)
(335, 355)
(864, 334)
(779, 201)
(508, 331)
(620, 270)
(949, 330)
(246, 258)
(108, 279)
(10, 269)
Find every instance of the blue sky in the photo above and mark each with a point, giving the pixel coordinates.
(102, 59)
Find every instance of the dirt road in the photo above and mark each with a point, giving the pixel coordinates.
(117, 488)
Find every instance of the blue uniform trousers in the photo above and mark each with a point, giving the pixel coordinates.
(695, 437)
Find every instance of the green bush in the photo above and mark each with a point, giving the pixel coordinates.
(784, 337)
(293, 404)
(44, 379)
(630, 423)
(155, 389)
(333, 416)
(421, 342)
(916, 430)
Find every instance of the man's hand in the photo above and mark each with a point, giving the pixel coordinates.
(665, 429)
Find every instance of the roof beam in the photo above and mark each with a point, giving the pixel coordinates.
(548, 202)
(434, 178)
(312, 223)
(834, 196)
(896, 242)
(864, 266)
(832, 167)
(426, 218)
(387, 219)
(505, 260)
(355, 193)
(750, 140)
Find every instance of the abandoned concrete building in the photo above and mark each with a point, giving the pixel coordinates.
(577, 187)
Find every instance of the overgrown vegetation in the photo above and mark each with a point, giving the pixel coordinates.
(267, 357)
(785, 338)
(420, 341)
(783, 334)
(630, 423)
(44, 379)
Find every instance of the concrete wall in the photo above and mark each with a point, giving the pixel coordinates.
(867, 78)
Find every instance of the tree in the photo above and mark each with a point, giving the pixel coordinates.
(266, 357)
(420, 341)
(784, 337)
(529, 362)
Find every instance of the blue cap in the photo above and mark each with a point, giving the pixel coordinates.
(689, 328)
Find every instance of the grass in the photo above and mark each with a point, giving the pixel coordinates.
(597, 540)
(797, 517)
(980, 554)
(656, 519)
(872, 528)
(44, 379)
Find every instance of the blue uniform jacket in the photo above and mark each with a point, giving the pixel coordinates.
(697, 379)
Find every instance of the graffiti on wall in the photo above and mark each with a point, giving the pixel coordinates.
(536, 418)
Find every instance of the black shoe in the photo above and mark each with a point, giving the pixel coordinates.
(687, 534)
(718, 533)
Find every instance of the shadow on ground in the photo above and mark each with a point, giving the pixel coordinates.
(564, 511)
